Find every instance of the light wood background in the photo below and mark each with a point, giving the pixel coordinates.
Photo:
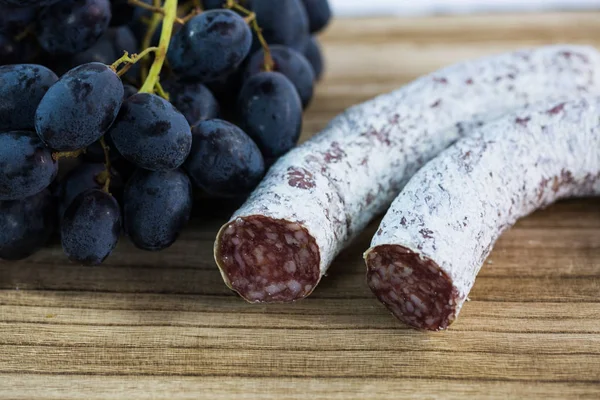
(163, 325)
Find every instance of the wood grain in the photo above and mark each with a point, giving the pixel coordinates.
(163, 325)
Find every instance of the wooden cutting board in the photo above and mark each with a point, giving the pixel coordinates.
(163, 325)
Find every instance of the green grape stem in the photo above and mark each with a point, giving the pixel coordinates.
(67, 154)
(130, 60)
(170, 15)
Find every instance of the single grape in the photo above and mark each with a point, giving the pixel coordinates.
(129, 91)
(209, 46)
(156, 207)
(224, 161)
(71, 26)
(290, 63)
(86, 176)
(26, 165)
(78, 109)
(14, 20)
(151, 133)
(90, 227)
(282, 22)
(314, 55)
(27, 224)
(270, 112)
(122, 12)
(319, 14)
(22, 88)
(108, 48)
(194, 100)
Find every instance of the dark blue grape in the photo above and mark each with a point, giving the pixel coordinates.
(290, 63)
(14, 20)
(156, 207)
(122, 12)
(80, 107)
(108, 48)
(71, 26)
(282, 22)
(27, 224)
(151, 133)
(194, 100)
(319, 14)
(22, 87)
(129, 91)
(28, 3)
(224, 161)
(84, 177)
(270, 112)
(314, 55)
(26, 165)
(210, 46)
(90, 227)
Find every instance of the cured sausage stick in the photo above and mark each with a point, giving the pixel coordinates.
(316, 198)
(436, 235)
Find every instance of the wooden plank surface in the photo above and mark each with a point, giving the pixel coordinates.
(163, 325)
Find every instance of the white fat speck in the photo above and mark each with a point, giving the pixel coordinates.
(259, 254)
(418, 302)
(272, 236)
(290, 266)
(294, 286)
(274, 289)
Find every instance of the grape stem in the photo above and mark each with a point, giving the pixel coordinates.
(189, 16)
(170, 8)
(67, 154)
(161, 92)
(104, 176)
(250, 19)
(130, 60)
(141, 4)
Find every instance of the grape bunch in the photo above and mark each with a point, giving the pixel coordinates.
(115, 114)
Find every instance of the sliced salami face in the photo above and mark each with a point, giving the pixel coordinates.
(436, 235)
(334, 184)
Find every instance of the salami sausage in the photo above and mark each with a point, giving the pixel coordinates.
(317, 197)
(436, 235)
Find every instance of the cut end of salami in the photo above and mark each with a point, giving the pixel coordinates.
(268, 260)
(414, 288)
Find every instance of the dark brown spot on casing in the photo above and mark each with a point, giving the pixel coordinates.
(436, 103)
(300, 178)
(556, 109)
(522, 121)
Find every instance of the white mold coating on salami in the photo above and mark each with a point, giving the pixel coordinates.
(338, 181)
(436, 235)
